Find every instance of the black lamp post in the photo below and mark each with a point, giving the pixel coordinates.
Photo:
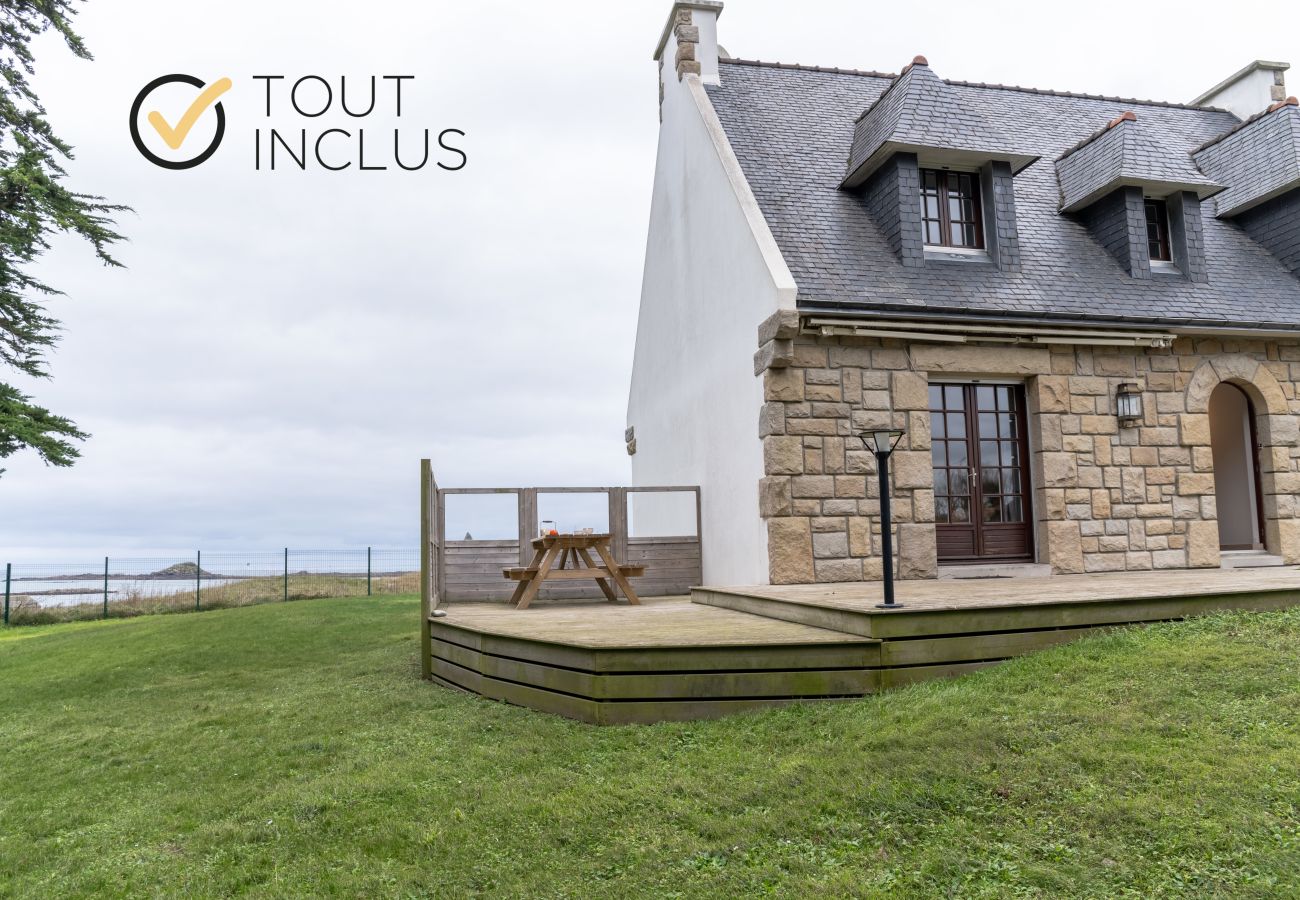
(882, 442)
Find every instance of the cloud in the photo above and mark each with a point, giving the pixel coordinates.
(284, 346)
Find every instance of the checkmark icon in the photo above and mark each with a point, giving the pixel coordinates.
(174, 137)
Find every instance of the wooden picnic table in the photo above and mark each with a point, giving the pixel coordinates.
(573, 552)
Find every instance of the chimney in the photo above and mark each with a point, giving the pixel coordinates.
(690, 40)
(1250, 91)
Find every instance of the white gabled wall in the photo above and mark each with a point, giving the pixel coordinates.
(712, 274)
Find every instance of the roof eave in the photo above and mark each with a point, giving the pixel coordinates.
(1186, 325)
(1202, 190)
(1247, 205)
(942, 156)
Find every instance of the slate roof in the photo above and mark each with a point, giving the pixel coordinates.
(918, 111)
(1259, 159)
(792, 129)
(1126, 152)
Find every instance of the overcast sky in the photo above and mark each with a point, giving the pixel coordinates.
(282, 347)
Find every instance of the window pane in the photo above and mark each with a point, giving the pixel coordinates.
(1157, 217)
(988, 425)
(958, 232)
(937, 455)
(959, 509)
(1011, 510)
(989, 481)
(956, 424)
(936, 425)
(936, 397)
(1010, 453)
(1011, 481)
(933, 233)
(941, 509)
(940, 481)
(958, 482)
(956, 453)
(992, 509)
(954, 395)
(988, 453)
(984, 398)
(1006, 425)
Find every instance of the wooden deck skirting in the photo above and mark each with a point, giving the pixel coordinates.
(734, 649)
(667, 659)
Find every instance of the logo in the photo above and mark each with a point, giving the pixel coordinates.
(306, 122)
(174, 136)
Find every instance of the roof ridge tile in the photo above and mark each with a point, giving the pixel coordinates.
(832, 70)
(837, 70)
(1281, 104)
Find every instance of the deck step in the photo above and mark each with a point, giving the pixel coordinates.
(1249, 559)
(996, 570)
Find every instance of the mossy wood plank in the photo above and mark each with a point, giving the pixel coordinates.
(846, 621)
(894, 678)
(724, 685)
(863, 655)
(665, 685)
(1038, 615)
(975, 647)
(518, 694)
(1073, 614)
(531, 651)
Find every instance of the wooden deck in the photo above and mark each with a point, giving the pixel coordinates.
(729, 649)
(666, 659)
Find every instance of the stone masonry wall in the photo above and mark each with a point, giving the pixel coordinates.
(1105, 498)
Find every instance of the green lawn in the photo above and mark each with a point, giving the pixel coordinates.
(290, 749)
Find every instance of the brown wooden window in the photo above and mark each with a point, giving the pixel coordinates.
(950, 209)
(1158, 229)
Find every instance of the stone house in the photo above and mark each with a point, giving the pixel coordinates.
(993, 269)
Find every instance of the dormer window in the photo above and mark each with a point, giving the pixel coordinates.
(1157, 215)
(950, 209)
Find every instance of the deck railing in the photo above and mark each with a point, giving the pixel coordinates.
(648, 527)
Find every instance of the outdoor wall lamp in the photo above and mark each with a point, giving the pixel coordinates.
(882, 442)
(1128, 404)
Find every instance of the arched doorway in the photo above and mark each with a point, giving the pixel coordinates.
(1236, 469)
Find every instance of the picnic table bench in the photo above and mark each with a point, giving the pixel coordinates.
(572, 552)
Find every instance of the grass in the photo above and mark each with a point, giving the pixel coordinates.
(290, 749)
(26, 610)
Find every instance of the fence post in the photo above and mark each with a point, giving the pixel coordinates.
(105, 587)
(428, 499)
(286, 574)
(367, 571)
(9, 570)
(198, 579)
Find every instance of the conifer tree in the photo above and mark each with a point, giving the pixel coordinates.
(35, 203)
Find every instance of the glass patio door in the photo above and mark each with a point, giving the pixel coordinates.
(981, 484)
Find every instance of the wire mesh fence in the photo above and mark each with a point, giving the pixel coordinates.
(36, 593)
